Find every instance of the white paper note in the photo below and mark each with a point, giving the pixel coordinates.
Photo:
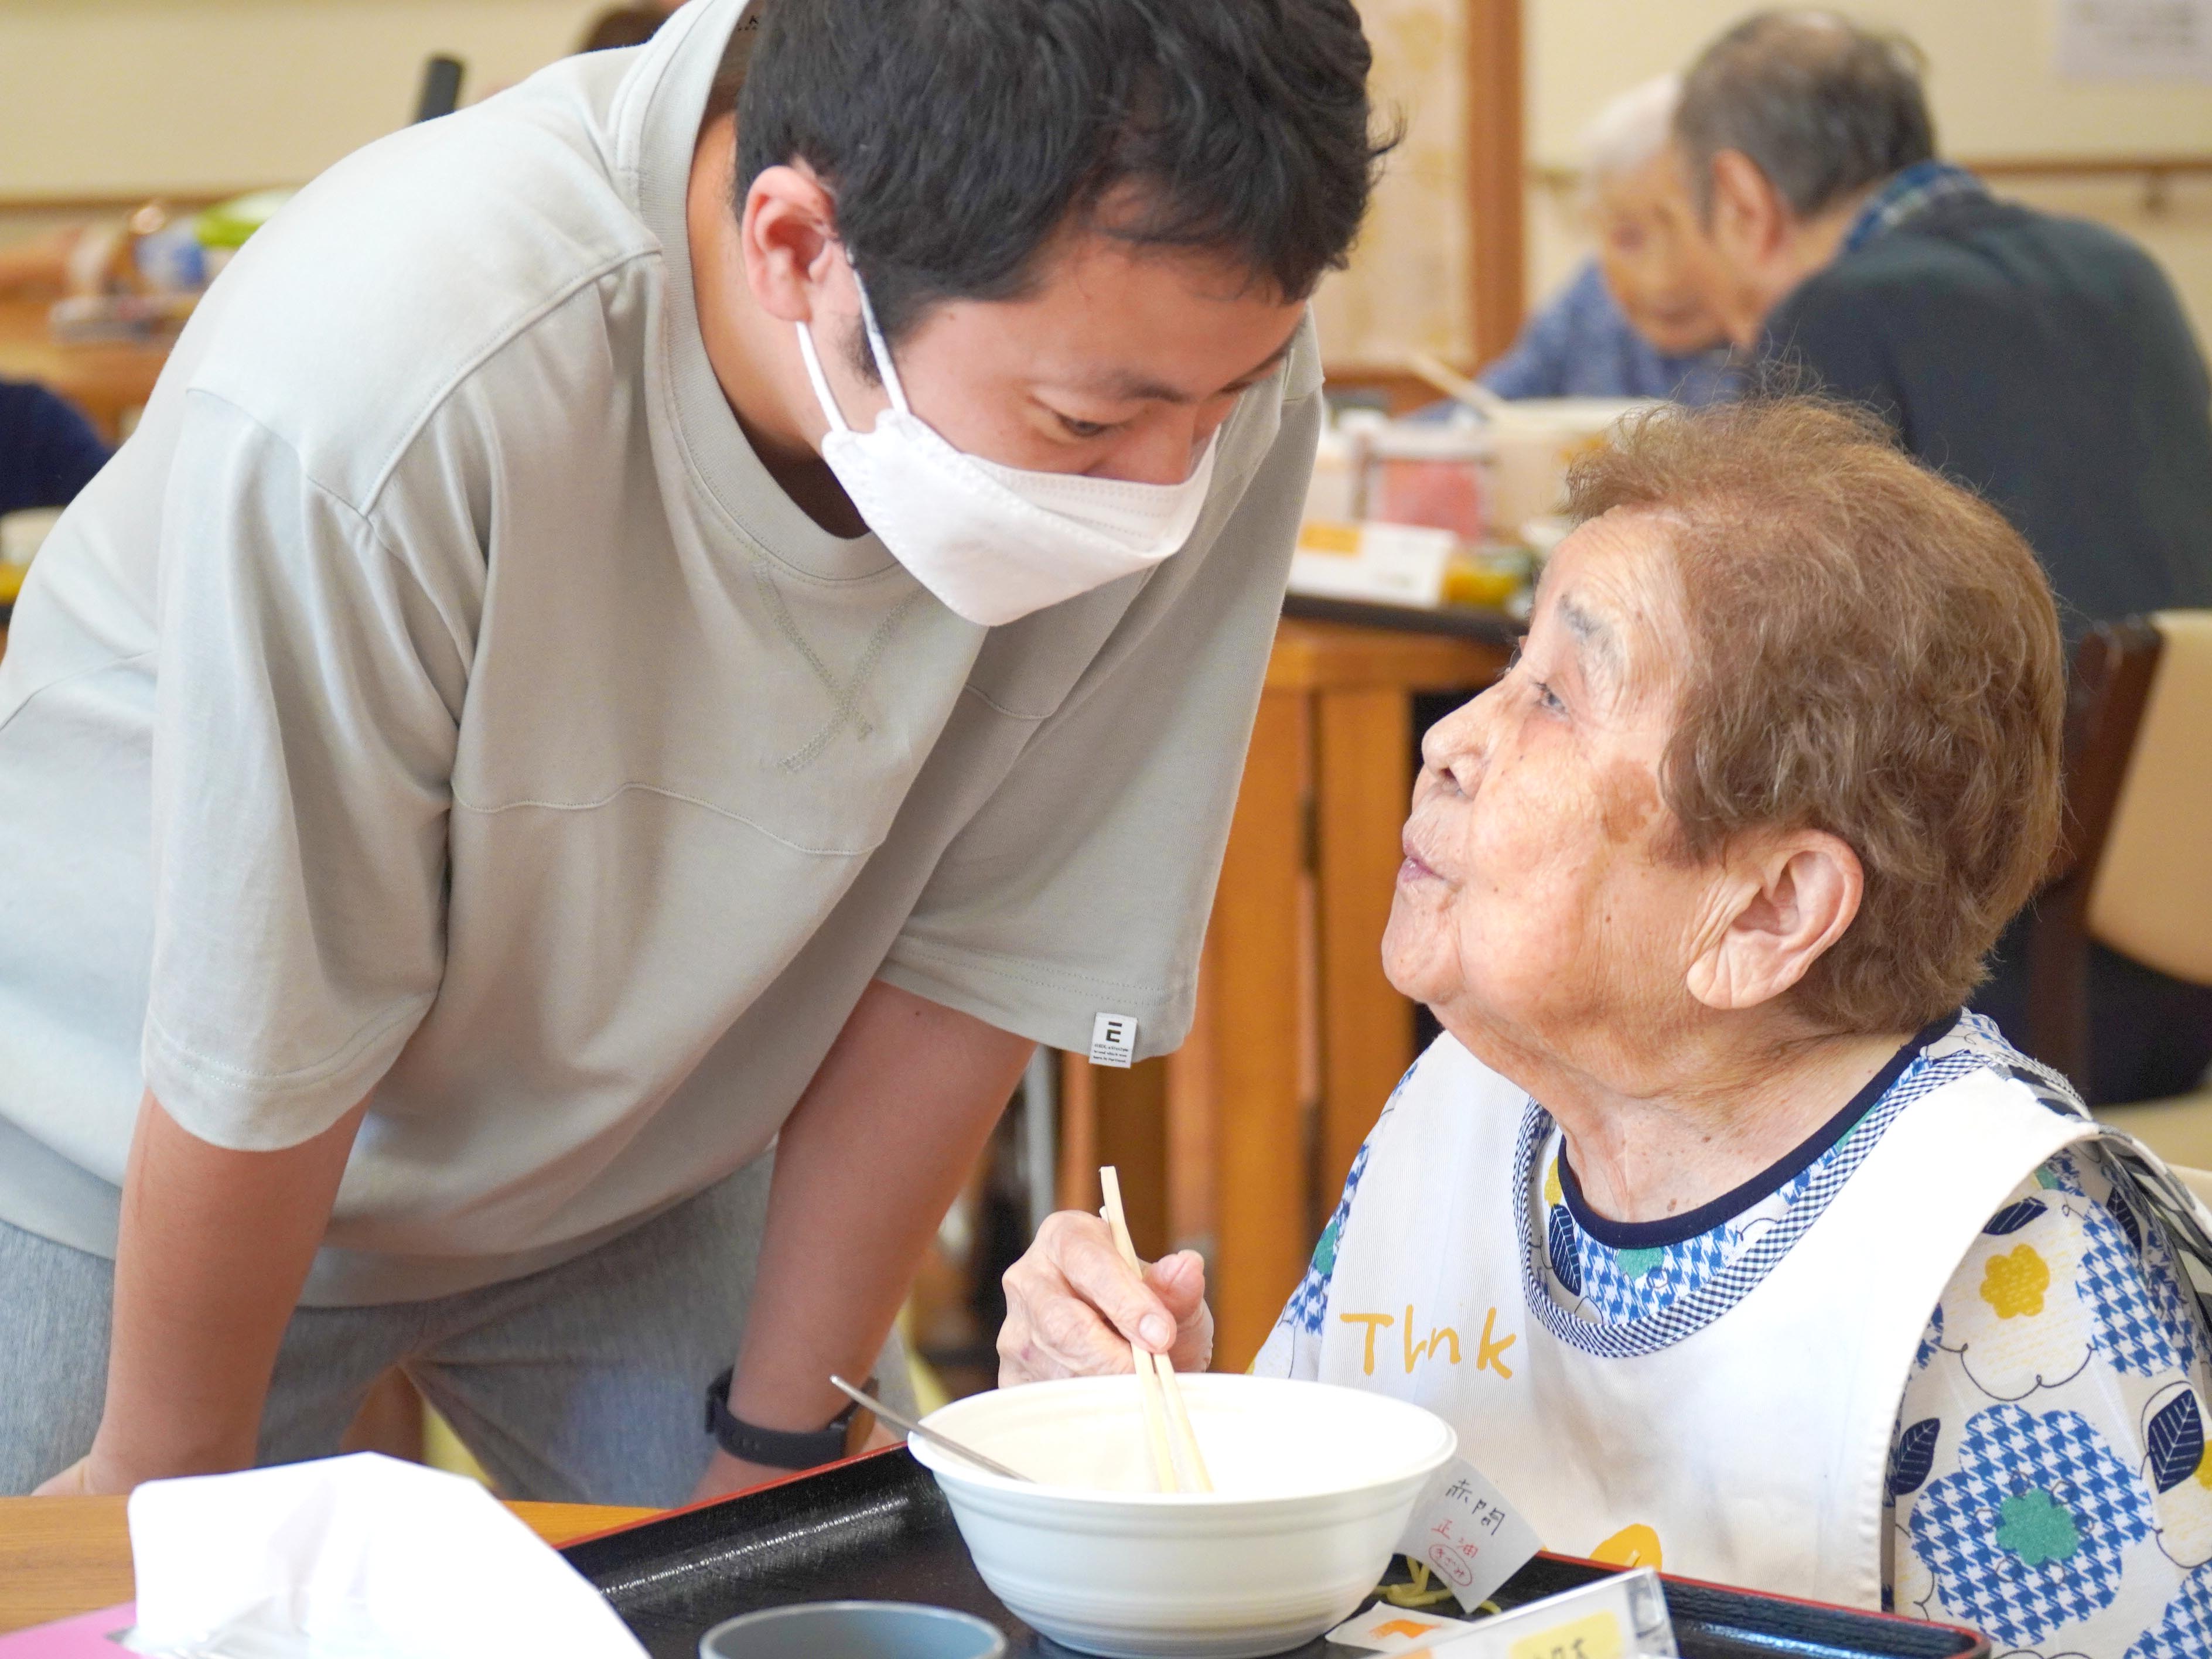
(1468, 1535)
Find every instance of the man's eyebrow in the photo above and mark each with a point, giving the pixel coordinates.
(1137, 388)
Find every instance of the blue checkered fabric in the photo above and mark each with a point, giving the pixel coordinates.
(1307, 1302)
(1303, 1311)
(2027, 1535)
(2140, 1335)
(2186, 1631)
(1623, 1312)
(1908, 194)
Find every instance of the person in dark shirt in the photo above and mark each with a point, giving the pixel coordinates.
(48, 452)
(2043, 361)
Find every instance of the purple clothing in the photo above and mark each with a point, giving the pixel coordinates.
(1580, 345)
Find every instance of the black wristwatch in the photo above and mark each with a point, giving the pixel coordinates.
(776, 1448)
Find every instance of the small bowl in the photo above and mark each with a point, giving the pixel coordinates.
(853, 1630)
(1314, 1486)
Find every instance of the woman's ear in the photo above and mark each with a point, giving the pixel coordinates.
(1789, 898)
(788, 234)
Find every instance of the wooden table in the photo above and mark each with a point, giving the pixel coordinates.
(60, 1556)
(106, 380)
(1237, 1143)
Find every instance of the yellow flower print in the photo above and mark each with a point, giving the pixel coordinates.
(2014, 1283)
(1552, 1190)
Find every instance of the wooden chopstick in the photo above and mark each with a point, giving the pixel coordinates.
(1160, 1394)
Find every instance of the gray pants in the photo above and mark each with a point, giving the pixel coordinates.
(583, 1384)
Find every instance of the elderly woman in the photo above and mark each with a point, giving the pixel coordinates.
(1634, 320)
(1717, 1230)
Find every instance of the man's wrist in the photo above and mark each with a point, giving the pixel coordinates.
(120, 1460)
(775, 1447)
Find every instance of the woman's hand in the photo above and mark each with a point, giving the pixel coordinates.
(1073, 1308)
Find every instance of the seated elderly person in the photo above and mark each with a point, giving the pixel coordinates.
(1722, 1236)
(1635, 320)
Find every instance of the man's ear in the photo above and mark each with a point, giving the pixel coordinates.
(1785, 899)
(788, 234)
(1749, 218)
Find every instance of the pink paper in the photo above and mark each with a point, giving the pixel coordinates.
(87, 1636)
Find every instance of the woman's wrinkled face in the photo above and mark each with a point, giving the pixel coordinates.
(1537, 909)
(1654, 260)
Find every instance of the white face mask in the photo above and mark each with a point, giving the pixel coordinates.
(994, 543)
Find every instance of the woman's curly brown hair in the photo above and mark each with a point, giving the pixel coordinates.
(1874, 652)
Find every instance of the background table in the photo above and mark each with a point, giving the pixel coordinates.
(107, 381)
(1237, 1143)
(60, 1556)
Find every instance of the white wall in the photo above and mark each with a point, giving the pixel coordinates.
(136, 97)
(1991, 82)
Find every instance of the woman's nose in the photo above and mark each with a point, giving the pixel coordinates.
(1455, 746)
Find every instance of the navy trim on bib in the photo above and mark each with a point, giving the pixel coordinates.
(1697, 1308)
(1678, 1229)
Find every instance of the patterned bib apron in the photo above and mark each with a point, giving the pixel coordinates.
(1741, 1433)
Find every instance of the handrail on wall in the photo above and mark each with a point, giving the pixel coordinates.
(2157, 173)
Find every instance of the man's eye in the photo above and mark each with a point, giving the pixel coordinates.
(1549, 698)
(1084, 429)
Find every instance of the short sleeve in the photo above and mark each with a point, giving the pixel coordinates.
(307, 700)
(1082, 886)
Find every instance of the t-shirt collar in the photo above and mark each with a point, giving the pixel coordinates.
(656, 128)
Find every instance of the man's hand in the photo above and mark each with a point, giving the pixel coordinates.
(71, 1482)
(1073, 1309)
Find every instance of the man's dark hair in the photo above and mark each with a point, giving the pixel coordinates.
(957, 135)
(1823, 107)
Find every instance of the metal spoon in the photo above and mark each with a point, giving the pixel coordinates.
(862, 1398)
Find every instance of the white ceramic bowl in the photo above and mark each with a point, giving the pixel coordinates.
(1314, 1485)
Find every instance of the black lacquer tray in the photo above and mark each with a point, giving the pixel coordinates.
(877, 1528)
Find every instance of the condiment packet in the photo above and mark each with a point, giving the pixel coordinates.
(1621, 1617)
(1385, 1629)
(1468, 1535)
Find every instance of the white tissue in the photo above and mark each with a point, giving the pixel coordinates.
(354, 1557)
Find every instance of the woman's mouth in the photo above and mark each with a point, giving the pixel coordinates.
(1415, 868)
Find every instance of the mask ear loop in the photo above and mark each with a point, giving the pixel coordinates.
(822, 395)
(882, 352)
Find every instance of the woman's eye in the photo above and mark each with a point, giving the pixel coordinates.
(1076, 429)
(1549, 698)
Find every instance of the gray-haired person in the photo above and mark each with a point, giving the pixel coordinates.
(2043, 361)
(1634, 320)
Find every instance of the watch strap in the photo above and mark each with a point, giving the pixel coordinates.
(776, 1448)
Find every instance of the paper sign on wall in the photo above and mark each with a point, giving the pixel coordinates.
(2134, 40)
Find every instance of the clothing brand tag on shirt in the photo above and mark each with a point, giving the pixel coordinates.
(1466, 1533)
(1114, 1040)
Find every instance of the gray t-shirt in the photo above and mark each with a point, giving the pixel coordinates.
(437, 697)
